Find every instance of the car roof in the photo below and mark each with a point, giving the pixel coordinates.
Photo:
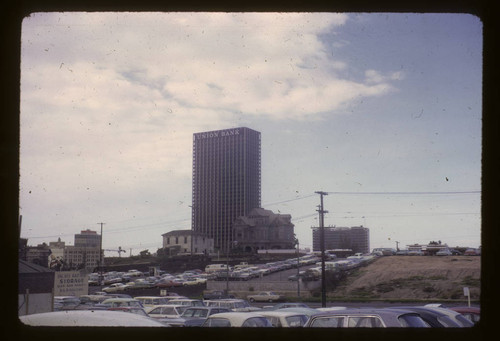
(307, 311)
(279, 313)
(145, 297)
(95, 318)
(119, 299)
(366, 311)
(235, 316)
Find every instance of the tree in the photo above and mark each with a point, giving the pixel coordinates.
(144, 253)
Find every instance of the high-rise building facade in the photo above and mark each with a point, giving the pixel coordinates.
(226, 181)
(88, 238)
(356, 238)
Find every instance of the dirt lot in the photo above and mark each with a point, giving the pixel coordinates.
(414, 277)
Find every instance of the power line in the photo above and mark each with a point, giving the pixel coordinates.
(405, 193)
(289, 200)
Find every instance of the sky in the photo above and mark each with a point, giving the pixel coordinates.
(382, 111)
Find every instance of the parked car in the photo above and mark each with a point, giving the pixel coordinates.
(168, 283)
(115, 287)
(444, 253)
(287, 305)
(473, 314)
(92, 299)
(151, 301)
(163, 312)
(306, 311)
(461, 320)
(280, 318)
(66, 302)
(434, 318)
(372, 318)
(265, 296)
(216, 294)
(140, 283)
(194, 316)
(233, 304)
(188, 302)
(122, 302)
(472, 252)
(89, 318)
(237, 319)
(111, 280)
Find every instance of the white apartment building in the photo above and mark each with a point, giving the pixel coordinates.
(180, 242)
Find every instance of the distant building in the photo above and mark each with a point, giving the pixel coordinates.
(88, 238)
(38, 254)
(86, 252)
(262, 230)
(187, 242)
(356, 238)
(427, 249)
(226, 181)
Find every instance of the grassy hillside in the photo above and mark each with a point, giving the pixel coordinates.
(417, 277)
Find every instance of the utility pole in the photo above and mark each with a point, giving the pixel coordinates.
(397, 246)
(100, 256)
(298, 265)
(322, 244)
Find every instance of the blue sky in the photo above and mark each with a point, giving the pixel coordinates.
(357, 105)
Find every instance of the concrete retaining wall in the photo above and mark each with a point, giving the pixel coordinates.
(241, 289)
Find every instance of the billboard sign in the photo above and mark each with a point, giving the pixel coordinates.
(70, 283)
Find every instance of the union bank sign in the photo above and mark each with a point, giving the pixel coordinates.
(216, 134)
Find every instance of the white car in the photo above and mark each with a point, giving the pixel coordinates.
(152, 301)
(285, 318)
(89, 318)
(115, 287)
(166, 311)
(187, 302)
(237, 319)
(231, 303)
(265, 296)
(121, 302)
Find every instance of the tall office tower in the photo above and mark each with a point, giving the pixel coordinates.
(226, 181)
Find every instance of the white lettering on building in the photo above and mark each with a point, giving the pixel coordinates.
(221, 133)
